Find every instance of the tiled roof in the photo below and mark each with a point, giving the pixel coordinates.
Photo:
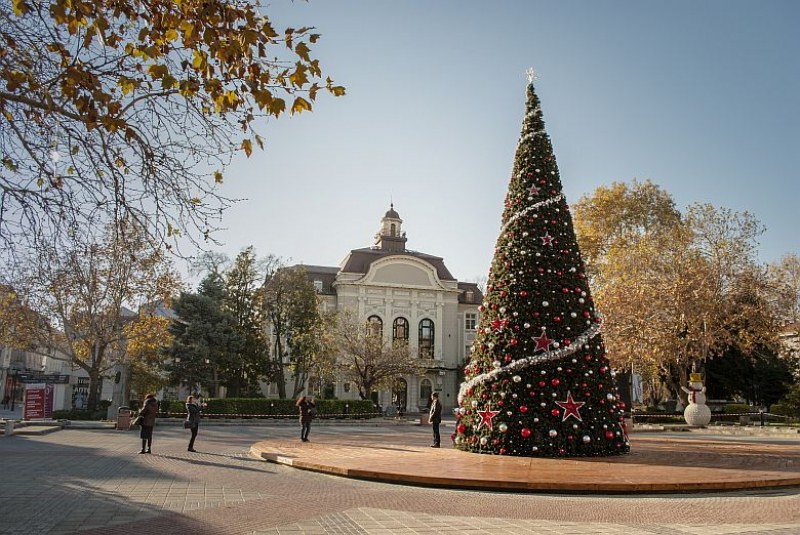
(359, 261)
(470, 293)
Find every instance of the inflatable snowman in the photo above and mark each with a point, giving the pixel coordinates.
(696, 412)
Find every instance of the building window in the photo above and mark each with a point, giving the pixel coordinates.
(393, 230)
(469, 296)
(374, 326)
(400, 330)
(426, 333)
(425, 391)
(470, 321)
(318, 285)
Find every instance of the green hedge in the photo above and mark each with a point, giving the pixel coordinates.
(734, 408)
(272, 408)
(784, 409)
(77, 414)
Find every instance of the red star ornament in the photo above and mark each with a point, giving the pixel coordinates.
(542, 342)
(486, 417)
(547, 239)
(571, 407)
(533, 190)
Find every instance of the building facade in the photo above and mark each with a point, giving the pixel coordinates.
(409, 296)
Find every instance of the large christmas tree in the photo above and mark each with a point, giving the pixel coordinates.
(538, 382)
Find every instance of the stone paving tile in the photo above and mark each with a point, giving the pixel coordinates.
(374, 521)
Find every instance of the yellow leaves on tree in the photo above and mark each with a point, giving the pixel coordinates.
(85, 74)
(146, 336)
(672, 288)
(17, 322)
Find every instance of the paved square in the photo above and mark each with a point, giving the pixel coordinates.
(93, 481)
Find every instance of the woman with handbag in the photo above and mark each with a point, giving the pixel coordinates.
(192, 421)
(148, 421)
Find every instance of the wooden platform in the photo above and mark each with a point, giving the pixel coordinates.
(657, 463)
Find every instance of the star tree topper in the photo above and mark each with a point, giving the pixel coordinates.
(571, 407)
(486, 417)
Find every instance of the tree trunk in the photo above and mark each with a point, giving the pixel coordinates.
(682, 380)
(95, 389)
(279, 379)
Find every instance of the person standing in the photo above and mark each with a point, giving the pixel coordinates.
(435, 417)
(6, 401)
(148, 413)
(307, 411)
(192, 419)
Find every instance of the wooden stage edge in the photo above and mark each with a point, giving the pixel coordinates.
(655, 465)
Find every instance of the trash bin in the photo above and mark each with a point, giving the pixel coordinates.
(124, 418)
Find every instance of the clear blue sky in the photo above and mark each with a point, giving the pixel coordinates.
(701, 97)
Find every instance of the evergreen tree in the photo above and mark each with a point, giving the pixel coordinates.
(244, 297)
(538, 382)
(205, 339)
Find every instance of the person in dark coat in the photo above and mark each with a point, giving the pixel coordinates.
(148, 412)
(307, 410)
(435, 417)
(193, 419)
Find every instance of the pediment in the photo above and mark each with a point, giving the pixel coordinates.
(403, 274)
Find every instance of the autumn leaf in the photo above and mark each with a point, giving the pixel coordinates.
(247, 146)
(20, 8)
(218, 177)
(300, 105)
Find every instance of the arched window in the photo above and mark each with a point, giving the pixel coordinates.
(425, 391)
(374, 326)
(426, 339)
(392, 230)
(400, 330)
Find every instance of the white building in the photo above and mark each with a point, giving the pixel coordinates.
(413, 296)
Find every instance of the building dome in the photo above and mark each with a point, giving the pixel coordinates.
(391, 214)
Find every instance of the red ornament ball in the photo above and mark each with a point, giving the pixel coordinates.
(461, 428)
(556, 413)
(523, 409)
(525, 432)
(609, 435)
(555, 382)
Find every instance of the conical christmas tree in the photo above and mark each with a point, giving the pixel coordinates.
(538, 382)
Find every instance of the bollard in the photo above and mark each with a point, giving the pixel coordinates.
(762, 417)
(9, 428)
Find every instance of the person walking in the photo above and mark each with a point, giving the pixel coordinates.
(435, 417)
(192, 420)
(148, 413)
(6, 401)
(307, 411)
